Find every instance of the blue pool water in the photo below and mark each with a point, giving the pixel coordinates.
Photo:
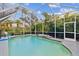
(36, 46)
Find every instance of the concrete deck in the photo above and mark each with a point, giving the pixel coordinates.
(4, 48)
(73, 46)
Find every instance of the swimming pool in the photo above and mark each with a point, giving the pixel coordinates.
(36, 46)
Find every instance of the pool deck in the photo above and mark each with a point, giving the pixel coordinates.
(73, 46)
(4, 48)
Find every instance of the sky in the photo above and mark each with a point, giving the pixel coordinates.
(55, 8)
(39, 8)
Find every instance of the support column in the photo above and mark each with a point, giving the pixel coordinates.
(35, 27)
(64, 28)
(55, 28)
(30, 26)
(75, 29)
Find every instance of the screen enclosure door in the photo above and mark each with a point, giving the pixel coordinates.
(70, 31)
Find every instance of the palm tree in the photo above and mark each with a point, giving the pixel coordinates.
(18, 22)
(46, 21)
(17, 30)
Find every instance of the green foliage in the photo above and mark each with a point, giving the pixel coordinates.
(77, 24)
(60, 25)
(7, 26)
(47, 25)
(39, 27)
